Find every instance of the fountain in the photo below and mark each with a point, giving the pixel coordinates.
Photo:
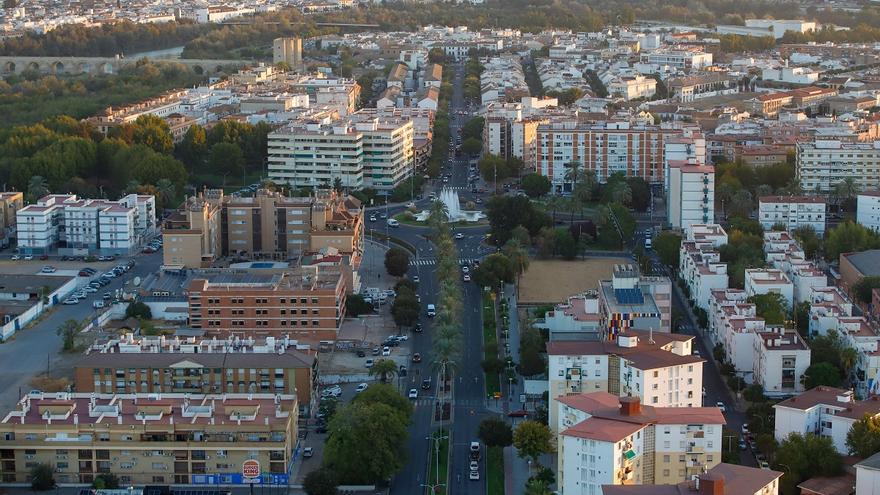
(449, 198)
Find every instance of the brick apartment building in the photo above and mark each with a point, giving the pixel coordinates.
(307, 303)
(130, 365)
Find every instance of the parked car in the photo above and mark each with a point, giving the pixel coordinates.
(334, 391)
(308, 452)
(416, 357)
(360, 388)
(368, 363)
(48, 269)
(720, 405)
(386, 351)
(413, 393)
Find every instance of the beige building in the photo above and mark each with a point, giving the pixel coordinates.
(288, 51)
(10, 203)
(149, 438)
(192, 236)
(723, 479)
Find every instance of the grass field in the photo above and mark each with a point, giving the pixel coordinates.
(551, 281)
(495, 471)
(493, 383)
(443, 465)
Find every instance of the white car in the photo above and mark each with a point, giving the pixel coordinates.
(402, 338)
(474, 476)
(413, 393)
(386, 351)
(410, 205)
(720, 405)
(360, 388)
(334, 391)
(28, 257)
(466, 278)
(459, 235)
(71, 300)
(465, 269)
(475, 466)
(416, 279)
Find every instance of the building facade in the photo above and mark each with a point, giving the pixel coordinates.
(792, 212)
(822, 164)
(147, 439)
(691, 194)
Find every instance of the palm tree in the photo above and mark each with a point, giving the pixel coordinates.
(572, 171)
(537, 487)
(848, 358)
(384, 368)
(740, 204)
(132, 186)
(622, 193)
(37, 187)
(165, 189)
(763, 190)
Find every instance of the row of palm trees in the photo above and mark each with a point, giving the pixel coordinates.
(164, 189)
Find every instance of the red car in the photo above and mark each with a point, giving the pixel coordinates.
(518, 414)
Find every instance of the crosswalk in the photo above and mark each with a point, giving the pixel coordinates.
(432, 261)
(429, 401)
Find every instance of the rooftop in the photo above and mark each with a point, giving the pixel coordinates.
(866, 262)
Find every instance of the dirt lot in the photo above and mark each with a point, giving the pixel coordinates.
(551, 281)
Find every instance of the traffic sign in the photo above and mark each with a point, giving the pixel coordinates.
(250, 468)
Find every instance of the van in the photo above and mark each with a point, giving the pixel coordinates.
(393, 223)
(432, 311)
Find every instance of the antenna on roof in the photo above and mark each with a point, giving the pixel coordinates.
(651, 335)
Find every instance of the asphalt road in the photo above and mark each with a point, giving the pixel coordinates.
(38, 347)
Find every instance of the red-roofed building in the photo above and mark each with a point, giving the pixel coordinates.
(606, 440)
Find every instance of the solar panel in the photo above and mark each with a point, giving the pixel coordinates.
(629, 296)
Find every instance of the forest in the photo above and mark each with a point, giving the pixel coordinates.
(31, 97)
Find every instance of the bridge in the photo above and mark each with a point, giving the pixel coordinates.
(104, 65)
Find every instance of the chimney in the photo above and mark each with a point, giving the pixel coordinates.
(712, 485)
(630, 406)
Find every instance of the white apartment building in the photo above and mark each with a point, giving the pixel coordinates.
(145, 214)
(711, 233)
(606, 440)
(678, 59)
(71, 225)
(792, 212)
(691, 194)
(701, 268)
(827, 304)
(868, 210)
(724, 302)
(822, 164)
(360, 152)
(659, 368)
(823, 411)
(784, 253)
(577, 318)
(868, 476)
(759, 281)
(781, 359)
(633, 87)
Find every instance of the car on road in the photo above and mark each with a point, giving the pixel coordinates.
(386, 351)
(360, 388)
(308, 452)
(475, 451)
(763, 465)
(416, 279)
(459, 235)
(71, 300)
(413, 393)
(474, 476)
(401, 338)
(15, 257)
(383, 215)
(368, 363)
(475, 466)
(745, 429)
(392, 222)
(28, 257)
(720, 405)
(466, 277)
(48, 269)
(417, 328)
(742, 445)
(107, 296)
(416, 357)
(465, 269)
(334, 391)
(410, 205)
(426, 384)
(432, 311)
(372, 218)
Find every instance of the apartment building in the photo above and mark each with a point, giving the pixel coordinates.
(678, 59)
(659, 368)
(633, 87)
(605, 148)
(610, 440)
(130, 365)
(784, 253)
(781, 360)
(701, 269)
(692, 87)
(307, 303)
(629, 300)
(360, 151)
(868, 210)
(576, 318)
(759, 281)
(192, 236)
(793, 212)
(723, 479)
(823, 411)
(10, 203)
(147, 439)
(822, 164)
(691, 194)
(79, 226)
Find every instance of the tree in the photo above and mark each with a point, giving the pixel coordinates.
(494, 270)
(537, 487)
(106, 481)
(405, 310)
(385, 369)
(821, 374)
(67, 331)
(386, 394)
(640, 193)
(863, 438)
(471, 146)
(495, 432)
(37, 188)
(802, 318)
(473, 128)
(531, 353)
(366, 443)
(226, 158)
(771, 307)
(536, 185)
(153, 132)
(492, 168)
(810, 242)
(321, 481)
(668, 247)
(805, 456)
(396, 261)
(532, 439)
(42, 477)
(864, 288)
(193, 148)
(165, 191)
(138, 310)
(565, 244)
(505, 213)
(849, 237)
